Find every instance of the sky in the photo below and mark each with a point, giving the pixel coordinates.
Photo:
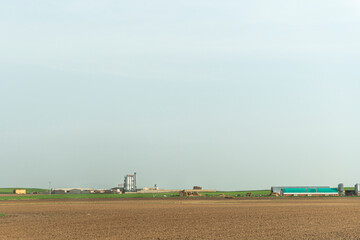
(227, 95)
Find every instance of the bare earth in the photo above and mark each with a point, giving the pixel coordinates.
(280, 218)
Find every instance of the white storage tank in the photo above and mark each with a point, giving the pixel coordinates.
(341, 189)
(357, 189)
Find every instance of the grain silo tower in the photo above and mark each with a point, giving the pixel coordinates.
(130, 183)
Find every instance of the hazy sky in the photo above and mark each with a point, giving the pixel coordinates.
(226, 95)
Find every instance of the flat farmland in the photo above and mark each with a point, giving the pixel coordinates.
(272, 218)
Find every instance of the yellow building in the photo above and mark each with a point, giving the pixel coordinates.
(20, 191)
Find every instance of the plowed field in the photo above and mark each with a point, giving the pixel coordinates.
(273, 218)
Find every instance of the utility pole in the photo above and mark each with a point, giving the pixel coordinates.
(50, 187)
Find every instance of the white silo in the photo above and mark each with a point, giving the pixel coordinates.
(357, 189)
(341, 189)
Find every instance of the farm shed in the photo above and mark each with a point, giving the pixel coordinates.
(350, 193)
(309, 192)
(117, 190)
(19, 191)
(59, 191)
(99, 191)
(73, 190)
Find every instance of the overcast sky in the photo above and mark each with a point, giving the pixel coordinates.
(227, 95)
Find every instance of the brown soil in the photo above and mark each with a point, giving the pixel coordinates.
(280, 218)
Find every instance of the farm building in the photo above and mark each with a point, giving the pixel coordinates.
(349, 192)
(73, 190)
(117, 190)
(59, 191)
(309, 192)
(130, 183)
(19, 191)
(277, 190)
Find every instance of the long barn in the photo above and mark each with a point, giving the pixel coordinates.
(310, 192)
(304, 191)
